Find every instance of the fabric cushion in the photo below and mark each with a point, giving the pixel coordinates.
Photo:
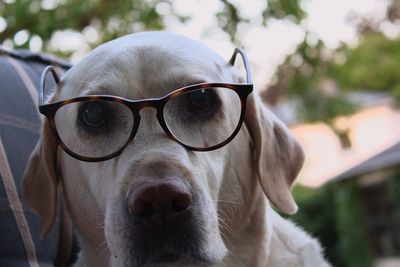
(19, 131)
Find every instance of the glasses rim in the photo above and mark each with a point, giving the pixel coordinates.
(50, 109)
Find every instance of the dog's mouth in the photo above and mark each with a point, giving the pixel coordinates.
(172, 258)
(167, 257)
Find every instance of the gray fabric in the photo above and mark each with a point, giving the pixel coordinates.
(19, 132)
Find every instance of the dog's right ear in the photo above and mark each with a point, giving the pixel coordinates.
(278, 156)
(40, 180)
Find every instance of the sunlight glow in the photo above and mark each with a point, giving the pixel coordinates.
(35, 43)
(21, 37)
(331, 20)
(3, 24)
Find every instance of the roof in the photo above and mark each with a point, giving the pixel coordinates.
(385, 159)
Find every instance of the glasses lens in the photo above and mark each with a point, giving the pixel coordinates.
(203, 118)
(94, 128)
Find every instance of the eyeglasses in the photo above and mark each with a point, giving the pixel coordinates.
(200, 117)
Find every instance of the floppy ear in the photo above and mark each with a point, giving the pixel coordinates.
(279, 157)
(40, 180)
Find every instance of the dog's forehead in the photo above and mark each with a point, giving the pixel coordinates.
(146, 65)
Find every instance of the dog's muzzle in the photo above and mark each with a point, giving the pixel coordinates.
(164, 225)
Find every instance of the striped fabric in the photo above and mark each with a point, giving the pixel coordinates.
(19, 131)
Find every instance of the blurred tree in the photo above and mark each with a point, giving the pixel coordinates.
(334, 214)
(373, 65)
(315, 76)
(394, 196)
(353, 243)
(110, 19)
(230, 16)
(317, 79)
(317, 216)
(307, 76)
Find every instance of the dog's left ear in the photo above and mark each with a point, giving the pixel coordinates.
(40, 181)
(279, 157)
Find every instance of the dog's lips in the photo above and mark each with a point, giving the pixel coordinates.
(171, 258)
(167, 256)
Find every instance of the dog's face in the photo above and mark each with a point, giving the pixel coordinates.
(158, 203)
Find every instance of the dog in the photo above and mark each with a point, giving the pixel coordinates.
(159, 201)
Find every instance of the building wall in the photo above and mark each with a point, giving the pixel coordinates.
(370, 131)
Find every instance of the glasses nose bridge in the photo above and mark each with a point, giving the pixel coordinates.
(149, 104)
(155, 104)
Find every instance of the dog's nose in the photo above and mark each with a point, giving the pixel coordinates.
(160, 202)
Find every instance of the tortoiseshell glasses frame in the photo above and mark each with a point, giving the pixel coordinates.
(242, 90)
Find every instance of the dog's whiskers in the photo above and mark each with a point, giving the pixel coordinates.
(98, 252)
(226, 201)
(226, 237)
(224, 226)
(221, 214)
(98, 225)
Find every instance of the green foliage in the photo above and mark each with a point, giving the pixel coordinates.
(116, 18)
(334, 214)
(284, 8)
(396, 92)
(230, 16)
(305, 68)
(316, 214)
(353, 240)
(373, 65)
(306, 73)
(394, 198)
(315, 106)
(112, 18)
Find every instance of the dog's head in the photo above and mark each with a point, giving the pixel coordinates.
(158, 201)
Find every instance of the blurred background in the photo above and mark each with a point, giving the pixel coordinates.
(329, 69)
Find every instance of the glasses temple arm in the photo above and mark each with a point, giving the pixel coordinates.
(249, 78)
(43, 82)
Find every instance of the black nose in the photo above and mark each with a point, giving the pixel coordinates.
(160, 202)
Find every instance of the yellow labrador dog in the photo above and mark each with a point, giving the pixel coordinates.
(150, 145)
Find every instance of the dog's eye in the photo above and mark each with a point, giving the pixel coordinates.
(201, 101)
(92, 114)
